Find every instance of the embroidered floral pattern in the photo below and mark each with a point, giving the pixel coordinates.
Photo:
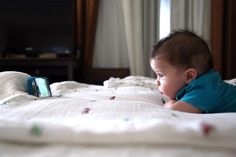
(207, 129)
(86, 110)
(36, 130)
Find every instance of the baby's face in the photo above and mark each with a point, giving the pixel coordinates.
(169, 78)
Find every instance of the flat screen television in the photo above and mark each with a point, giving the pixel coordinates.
(33, 27)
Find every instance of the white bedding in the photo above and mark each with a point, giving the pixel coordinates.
(122, 118)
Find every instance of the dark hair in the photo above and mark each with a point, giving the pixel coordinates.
(185, 49)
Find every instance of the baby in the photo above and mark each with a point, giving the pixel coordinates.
(183, 64)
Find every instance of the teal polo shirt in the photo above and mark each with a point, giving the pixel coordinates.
(209, 93)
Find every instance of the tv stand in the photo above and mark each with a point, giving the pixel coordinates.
(58, 69)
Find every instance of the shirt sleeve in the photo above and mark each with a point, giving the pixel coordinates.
(201, 98)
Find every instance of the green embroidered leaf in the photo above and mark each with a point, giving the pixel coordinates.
(36, 130)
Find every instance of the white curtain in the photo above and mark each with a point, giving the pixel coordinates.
(133, 30)
(194, 15)
(150, 30)
(126, 31)
(110, 43)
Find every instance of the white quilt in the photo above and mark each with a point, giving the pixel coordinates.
(124, 117)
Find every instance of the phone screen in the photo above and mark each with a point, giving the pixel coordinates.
(43, 87)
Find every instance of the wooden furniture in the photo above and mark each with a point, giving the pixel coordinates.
(55, 69)
(223, 37)
(78, 68)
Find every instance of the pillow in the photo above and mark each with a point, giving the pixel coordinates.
(12, 83)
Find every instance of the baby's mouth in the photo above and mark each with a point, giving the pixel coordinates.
(161, 92)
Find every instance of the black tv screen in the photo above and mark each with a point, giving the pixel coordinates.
(37, 26)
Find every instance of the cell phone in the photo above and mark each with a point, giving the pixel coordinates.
(38, 86)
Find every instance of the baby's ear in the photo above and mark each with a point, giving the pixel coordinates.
(191, 74)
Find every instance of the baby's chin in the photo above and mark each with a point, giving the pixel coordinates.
(168, 96)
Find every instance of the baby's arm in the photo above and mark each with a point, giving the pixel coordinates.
(181, 106)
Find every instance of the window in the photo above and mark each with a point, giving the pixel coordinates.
(164, 18)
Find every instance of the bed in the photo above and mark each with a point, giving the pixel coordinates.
(123, 117)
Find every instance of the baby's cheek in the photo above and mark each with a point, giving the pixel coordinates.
(168, 91)
(164, 90)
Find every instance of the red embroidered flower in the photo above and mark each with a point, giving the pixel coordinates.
(207, 129)
(112, 97)
(86, 110)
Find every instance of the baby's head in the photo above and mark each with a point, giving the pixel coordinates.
(184, 49)
(185, 54)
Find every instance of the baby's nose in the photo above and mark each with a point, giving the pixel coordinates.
(158, 82)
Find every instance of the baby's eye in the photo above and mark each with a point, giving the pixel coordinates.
(160, 75)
